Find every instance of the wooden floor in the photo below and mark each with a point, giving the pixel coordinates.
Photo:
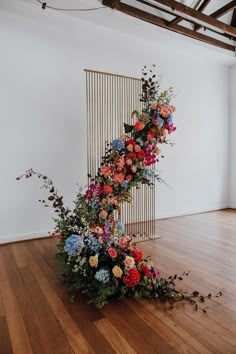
(36, 315)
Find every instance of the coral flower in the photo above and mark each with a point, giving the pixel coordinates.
(103, 214)
(112, 252)
(129, 262)
(118, 177)
(139, 125)
(93, 261)
(105, 171)
(117, 271)
(165, 112)
(107, 189)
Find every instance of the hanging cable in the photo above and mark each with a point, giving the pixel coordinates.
(45, 5)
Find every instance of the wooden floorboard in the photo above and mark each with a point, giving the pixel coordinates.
(37, 316)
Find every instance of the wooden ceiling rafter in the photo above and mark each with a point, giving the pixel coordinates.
(178, 19)
(220, 12)
(198, 16)
(224, 29)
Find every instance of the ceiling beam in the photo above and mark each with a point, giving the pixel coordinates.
(220, 12)
(178, 19)
(233, 21)
(189, 12)
(204, 4)
(155, 20)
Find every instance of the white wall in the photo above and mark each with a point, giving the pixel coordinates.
(43, 114)
(232, 195)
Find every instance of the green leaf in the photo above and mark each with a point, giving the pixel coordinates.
(128, 128)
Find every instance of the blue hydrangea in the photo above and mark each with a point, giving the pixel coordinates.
(121, 226)
(118, 144)
(139, 140)
(125, 184)
(102, 275)
(93, 243)
(170, 119)
(160, 121)
(74, 244)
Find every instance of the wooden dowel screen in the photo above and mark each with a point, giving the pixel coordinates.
(110, 101)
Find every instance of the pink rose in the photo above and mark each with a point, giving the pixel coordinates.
(153, 106)
(129, 162)
(137, 148)
(112, 252)
(164, 133)
(133, 168)
(155, 121)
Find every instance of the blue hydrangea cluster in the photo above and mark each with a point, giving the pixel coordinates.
(93, 243)
(170, 119)
(161, 121)
(117, 145)
(121, 226)
(102, 275)
(74, 244)
(125, 184)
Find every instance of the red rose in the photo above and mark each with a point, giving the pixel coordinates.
(130, 142)
(137, 255)
(107, 189)
(132, 277)
(128, 178)
(112, 252)
(146, 271)
(141, 155)
(132, 156)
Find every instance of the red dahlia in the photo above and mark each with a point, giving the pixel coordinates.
(132, 277)
(137, 255)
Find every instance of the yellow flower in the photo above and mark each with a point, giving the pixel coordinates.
(103, 214)
(129, 262)
(93, 261)
(117, 271)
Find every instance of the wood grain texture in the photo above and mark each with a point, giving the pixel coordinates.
(36, 315)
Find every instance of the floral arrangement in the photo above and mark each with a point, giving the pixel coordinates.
(98, 258)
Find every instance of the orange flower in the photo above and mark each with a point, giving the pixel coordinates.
(122, 137)
(103, 214)
(153, 106)
(120, 163)
(105, 171)
(118, 177)
(117, 271)
(165, 112)
(93, 261)
(107, 189)
(130, 148)
(139, 125)
(129, 261)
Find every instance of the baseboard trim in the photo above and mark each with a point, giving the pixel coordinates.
(24, 237)
(44, 233)
(191, 212)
